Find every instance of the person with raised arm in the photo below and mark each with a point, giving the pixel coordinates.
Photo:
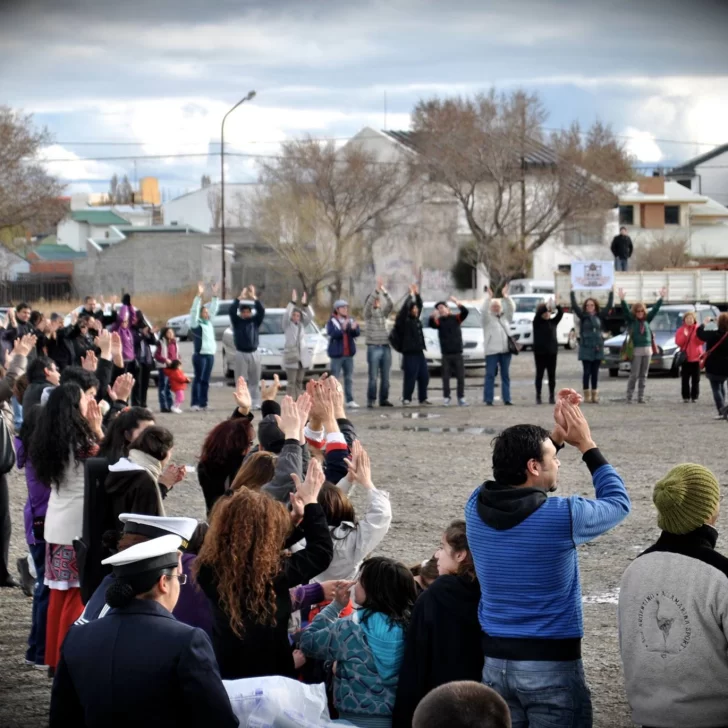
(497, 316)
(448, 326)
(377, 309)
(296, 354)
(205, 346)
(246, 318)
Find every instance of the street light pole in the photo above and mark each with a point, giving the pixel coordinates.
(248, 97)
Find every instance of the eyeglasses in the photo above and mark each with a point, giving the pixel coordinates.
(182, 578)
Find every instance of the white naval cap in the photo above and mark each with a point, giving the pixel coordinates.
(156, 526)
(153, 555)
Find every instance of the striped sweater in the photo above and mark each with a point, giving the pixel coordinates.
(524, 548)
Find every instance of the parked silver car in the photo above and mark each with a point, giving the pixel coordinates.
(270, 346)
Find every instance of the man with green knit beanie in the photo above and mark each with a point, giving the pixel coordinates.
(673, 610)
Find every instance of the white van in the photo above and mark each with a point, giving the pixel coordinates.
(532, 286)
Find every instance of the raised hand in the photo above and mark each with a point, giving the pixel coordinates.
(200, 289)
(89, 362)
(309, 490)
(94, 417)
(74, 317)
(24, 345)
(577, 432)
(215, 289)
(270, 391)
(290, 419)
(380, 283)
(244, 293)
(490, 292)
(116, 349)
(304, 298)
(252, 292)
(506, 288)
(304, 403)
(242, 396)
(294, 295)
(103, 342)
(622, 294)
(663, 292)
(360, 468)
(122, 389)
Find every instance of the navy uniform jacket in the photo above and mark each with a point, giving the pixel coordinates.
(138, 666)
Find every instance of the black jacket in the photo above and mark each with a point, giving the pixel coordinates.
(34, 392)
(245, 331)
(443, 643)
(61, 348)
(622, 246)
(544, 332)
(717, 361)
(130, 491)
(448, 331)
(138, 666)
(265, 650)
(409, 328)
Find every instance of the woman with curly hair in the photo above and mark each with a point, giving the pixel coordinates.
(443, 639)
(66, 435)
(223, 452)
(368, 646)
(245, 575)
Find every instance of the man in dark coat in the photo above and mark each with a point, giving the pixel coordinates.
(622, 250)
(411, 344)
(139, 665)
(451, 346)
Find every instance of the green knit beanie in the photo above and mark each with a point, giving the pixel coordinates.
(686, 498)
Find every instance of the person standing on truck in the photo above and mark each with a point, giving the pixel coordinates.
(638, 329)
(591, 342)
(622, 250)
(245, 325)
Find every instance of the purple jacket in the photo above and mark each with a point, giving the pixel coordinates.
(193, 607)
(38, 493)
(126, 334)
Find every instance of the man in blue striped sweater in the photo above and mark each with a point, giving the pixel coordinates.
(524, 547)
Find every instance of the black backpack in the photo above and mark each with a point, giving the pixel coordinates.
(395, 339)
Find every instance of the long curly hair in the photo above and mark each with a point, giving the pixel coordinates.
(61, 435)
(227, 444)
(243, 548)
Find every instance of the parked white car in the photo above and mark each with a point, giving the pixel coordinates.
(472, 330)
(522, 327)
(181, 324)
(270, 346)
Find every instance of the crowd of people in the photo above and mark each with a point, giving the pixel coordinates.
(279, 580)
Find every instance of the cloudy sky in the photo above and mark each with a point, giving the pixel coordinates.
(152, 78)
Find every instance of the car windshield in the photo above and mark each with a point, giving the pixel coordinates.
(527, 304)
(668, 320)
(273, 324)
(471, 322)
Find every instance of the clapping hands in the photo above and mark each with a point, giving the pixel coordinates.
(242, 396)
(359, 465)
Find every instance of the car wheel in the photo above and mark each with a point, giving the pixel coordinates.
(571, 342)
(183, 338)
(614, 373)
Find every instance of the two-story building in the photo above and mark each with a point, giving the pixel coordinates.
(706, 174)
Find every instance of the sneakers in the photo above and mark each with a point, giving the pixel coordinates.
(370, 405)
(446, 401)
(406, 402)
(488, 404)
(352, 405)
(176, 411)
(27, 582)
(462, 402)
(508, 404)
(386, 403)
(425, 403)
(195, 408)
(36, 665)
(686, 401)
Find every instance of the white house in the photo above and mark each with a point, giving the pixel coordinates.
(706, 174)
(12, 264)
(80, 225)
(201, 209)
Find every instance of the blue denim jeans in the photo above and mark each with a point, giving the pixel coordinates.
(202, 366)
(165, 393)
(590, 374)
(493, 363)
(717, 387)
(621, 264)
(37, 638)
(17, 414)
(379, 361)
(344, 364)
(541, 694)
(414, 368)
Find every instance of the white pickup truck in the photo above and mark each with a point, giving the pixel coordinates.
(522, 327)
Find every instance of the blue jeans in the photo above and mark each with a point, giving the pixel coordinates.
(717, 387)
(494, 362)
(541, 694)
(17, 414)
(621, 264)
(165, 393)
(379, 360)
(590, 374)
(202, 366)
(415, 371)
(345, 364)
(37, 638)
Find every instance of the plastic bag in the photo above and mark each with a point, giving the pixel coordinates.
(278, 702)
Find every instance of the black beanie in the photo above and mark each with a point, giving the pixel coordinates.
(270, 436)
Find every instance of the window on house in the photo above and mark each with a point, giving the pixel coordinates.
(626, 214)
(672, 214)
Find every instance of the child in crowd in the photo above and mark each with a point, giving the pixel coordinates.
(424, 573)
(178, 382)
(165, 354)
(462, 705)
(368, 646)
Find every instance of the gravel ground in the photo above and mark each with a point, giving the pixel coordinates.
(430, 461)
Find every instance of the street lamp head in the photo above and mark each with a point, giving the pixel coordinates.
(250, 96)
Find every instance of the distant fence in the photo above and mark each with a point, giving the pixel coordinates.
(36, 287)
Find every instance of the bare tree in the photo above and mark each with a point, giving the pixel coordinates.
(346, 197)
(114, 189)
(489, 153)
(214, 205)
(662, 250)
(29, 196)
(124, 192)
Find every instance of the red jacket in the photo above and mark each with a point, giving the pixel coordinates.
(686, 338)
(178, 380)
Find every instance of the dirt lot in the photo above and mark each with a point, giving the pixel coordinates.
(430, 464)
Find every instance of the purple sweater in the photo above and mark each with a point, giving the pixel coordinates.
(38, 493)
(193, 606)
(126, 334)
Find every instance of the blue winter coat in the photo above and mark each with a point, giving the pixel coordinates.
(337, 332)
